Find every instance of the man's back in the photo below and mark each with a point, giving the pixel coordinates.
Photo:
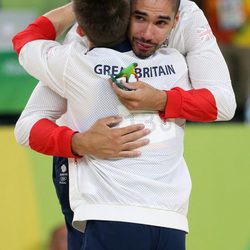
(144, 184)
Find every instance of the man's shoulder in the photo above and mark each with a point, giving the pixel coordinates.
(185, 31)
(109, 52)
(187, 7)
(171, 52)
(188, 12)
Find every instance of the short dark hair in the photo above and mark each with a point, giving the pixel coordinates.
(105, 22)
(176, 5)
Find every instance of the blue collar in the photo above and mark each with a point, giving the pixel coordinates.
(123, 46)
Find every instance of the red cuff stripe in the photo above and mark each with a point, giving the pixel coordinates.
(193, 105)
(48, 138)
(41, 29)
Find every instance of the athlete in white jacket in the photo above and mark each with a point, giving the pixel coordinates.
(81, 76)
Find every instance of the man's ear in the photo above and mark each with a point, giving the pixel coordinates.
(176, 19)
(80, 31)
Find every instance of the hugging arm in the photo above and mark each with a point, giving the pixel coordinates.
(36, 128)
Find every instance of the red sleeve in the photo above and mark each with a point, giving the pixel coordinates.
(40, 29)
(48, 138)
(193, 105)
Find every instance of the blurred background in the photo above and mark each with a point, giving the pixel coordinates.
(218, 155)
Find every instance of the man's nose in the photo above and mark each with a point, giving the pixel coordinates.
(148, 32)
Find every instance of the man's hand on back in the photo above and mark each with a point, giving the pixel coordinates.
(103, 141)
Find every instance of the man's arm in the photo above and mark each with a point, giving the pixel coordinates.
(39, 53)
(207, 66)
(36, 128)
(42, 104)
(46, 27)
(61, 18)
(193, 105)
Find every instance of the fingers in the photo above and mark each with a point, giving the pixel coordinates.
(132, 86)
(122, 93)
(135, 145)
(129, 148)
(110, 120)
(131, 142)
(119, 85)
(129, 154)
(116, 88)
(134, 136)
(129, 129)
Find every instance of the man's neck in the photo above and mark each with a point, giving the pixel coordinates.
(123, 46)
